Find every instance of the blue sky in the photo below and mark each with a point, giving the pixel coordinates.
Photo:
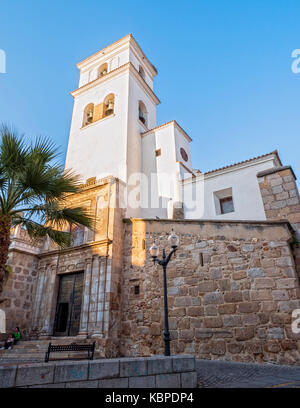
(224, 68)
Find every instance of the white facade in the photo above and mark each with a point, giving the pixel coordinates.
(153, 161)
(239, 182)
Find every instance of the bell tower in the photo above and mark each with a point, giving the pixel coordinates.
(113, 105)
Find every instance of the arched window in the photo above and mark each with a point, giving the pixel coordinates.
(142, 72)
(109, 103)
(88, 114)
(102, 70)
(142, 113)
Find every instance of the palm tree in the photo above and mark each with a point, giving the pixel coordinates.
(33, 192)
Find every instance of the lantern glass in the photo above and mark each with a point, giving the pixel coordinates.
(154, 250)
(173, 239)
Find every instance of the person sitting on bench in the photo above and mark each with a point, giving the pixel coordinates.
(16, 335)
(9, 343)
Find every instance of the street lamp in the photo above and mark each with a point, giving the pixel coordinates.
(154, 252)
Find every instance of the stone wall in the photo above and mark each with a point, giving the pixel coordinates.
(100, 257)
(155, 372)
(19, 289)
(281, 200)
(232, 288)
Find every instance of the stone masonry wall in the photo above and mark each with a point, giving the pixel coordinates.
(231, 289)
(155, 372)
(281, 200)
(19, 291)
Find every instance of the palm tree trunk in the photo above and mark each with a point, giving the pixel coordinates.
(5, 225)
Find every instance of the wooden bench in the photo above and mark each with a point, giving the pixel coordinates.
(90, 348)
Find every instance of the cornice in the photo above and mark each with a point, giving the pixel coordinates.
(128, 39)
(123, 68)
(168, 124)
(103, 242)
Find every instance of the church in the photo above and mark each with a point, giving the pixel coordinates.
(234, 283)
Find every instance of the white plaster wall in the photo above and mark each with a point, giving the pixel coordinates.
(246, 193)
(114, 59)
(182, 142)
(134, 144)
(136, 62)
(99, 149)
(151, 200)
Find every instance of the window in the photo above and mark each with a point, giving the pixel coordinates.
(184, 154)
(109, 103)
(137, 290)
(226, 205)
(142, 72)
(142, 113)
(224, 202)
(88, 114)
(102, 70)
(158, 152)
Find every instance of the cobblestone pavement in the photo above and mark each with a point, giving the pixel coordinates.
(220, 374)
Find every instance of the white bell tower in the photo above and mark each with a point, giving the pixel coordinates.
(113, 105)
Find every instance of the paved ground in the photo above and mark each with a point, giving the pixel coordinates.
(219, 374)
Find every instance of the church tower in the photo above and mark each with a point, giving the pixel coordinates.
(113, 105)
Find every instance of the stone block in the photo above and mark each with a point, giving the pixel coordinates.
(106, 368)
(289, 306)
(275, 333)
(264, 283)
(248, 307)
(232, 297)
(248, 248)
(7, 376)
(244, 333)
(232, 321)
(182, 363)
(250, 320)
(284, 261)
(256, 273)
(159, 365)
(277, 189)
(229, 308)
(213, 347)
(133, 367)
(211, 310)
(287, 283)
(272, 347)
(215, 273)
(213, 322)
(237, 275)
(168, 381)
(147, 381)
(213, 298)
(114, 383)
(195, 311)
(183, 301)
(203, 333)
(262, 294)
(207, 286)
(35, 374)
(189, 380)
(280, 294)
(235, 348)
(186, 334)
(82, 384)
(71, 371)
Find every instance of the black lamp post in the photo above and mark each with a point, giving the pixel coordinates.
(154, 251)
